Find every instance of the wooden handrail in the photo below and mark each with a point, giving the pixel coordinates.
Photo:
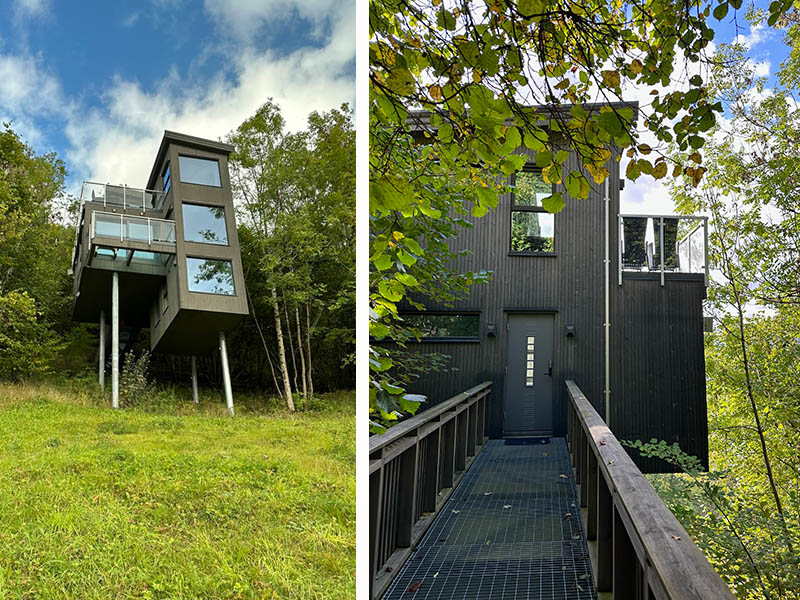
(404, 427)
(413, 468)
(638, 547)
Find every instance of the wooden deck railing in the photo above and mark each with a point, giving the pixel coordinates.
(638, 547)
(413, 468)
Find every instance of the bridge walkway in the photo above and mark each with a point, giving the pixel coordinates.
(511, 529)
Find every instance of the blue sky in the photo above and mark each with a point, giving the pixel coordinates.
(98, 82)
(766, 51)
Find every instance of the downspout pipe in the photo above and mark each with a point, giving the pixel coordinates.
(607, 322)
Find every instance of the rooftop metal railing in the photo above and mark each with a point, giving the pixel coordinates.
(132, 228)
(663, 244)
(121, 196)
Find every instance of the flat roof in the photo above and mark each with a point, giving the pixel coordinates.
(184, 140)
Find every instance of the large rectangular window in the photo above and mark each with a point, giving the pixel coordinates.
(445, 327)
(532, 227)
(203, 171)
(210, 276)
(205, 224)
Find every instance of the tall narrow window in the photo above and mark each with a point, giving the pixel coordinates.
(165, 179)
(164, 297)
(202, 171)
(205, 224)
(532, 227)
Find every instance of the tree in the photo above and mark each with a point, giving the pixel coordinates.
(297, 208)
(749, 193)
(34, 256)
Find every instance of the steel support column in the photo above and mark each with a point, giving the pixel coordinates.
(226, 376)
(101, 366)
(115, 339)
(194, 381)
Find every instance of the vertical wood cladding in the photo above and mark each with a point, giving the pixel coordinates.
(657, 368)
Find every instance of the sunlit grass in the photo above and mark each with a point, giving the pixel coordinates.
(172, 501)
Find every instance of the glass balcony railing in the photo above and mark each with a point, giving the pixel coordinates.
(131, 228)
(121, 196)
(664, 244)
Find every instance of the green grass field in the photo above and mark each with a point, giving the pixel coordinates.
(169, 501)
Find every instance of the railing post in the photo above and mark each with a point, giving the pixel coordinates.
(585, 451)
(375, 531)
(149, 233)
(448, 446)
(461, 441)
(591, 497)
(406, 505)
(625, 561)
(430, 485)
(121, 230)
(124, 196)
(605, 536)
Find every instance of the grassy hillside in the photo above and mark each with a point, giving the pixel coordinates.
(169, 501)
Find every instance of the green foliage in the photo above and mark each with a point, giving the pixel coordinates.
(132, 504)
(134, 386)
(739, 532)
(27, 345)
(296, 195)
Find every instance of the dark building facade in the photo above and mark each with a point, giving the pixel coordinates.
(165, 257)
(542, 319)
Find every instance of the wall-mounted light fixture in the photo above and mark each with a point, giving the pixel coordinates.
(570, 330)
(491, 330)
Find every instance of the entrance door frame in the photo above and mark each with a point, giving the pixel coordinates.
(508, 313)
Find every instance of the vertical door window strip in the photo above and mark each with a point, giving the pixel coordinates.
(529, 360)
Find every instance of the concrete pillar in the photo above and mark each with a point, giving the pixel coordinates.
(226, 376)
(115, 339)
(194, 381)
(101, 367)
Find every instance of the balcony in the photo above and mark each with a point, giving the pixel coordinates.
(663, 245)
(121, 196)
(132, 229)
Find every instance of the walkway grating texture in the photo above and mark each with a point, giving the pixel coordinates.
(512, 529)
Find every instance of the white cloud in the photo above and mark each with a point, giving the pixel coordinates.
(131, 19)
(118, 142)
(243, 18)
(31, 8)
(758, 34)
(28, 92)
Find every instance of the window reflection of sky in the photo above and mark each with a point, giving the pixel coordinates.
(202, 171)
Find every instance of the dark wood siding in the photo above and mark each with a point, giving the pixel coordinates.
(656, 390)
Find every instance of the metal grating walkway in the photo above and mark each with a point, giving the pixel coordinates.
(512, 529)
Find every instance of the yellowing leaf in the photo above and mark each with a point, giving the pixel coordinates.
(611, 78)
(436, 92)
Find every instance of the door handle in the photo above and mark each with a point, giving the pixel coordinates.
(550, 367)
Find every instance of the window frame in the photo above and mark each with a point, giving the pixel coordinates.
(205, 258)
(446, 339)
(210, 206)
(205, 158)
(517, 208)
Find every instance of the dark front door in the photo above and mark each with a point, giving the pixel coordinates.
(528, 403)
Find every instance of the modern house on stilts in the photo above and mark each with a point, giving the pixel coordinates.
(165, 257)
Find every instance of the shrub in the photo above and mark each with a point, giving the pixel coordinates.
(133, 384)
